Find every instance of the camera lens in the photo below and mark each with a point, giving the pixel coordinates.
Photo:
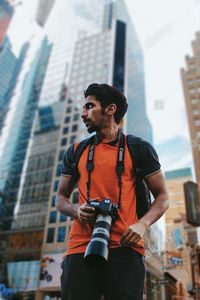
(96, 253)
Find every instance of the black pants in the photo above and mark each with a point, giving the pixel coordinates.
(122, 278)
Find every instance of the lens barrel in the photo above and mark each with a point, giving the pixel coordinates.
(96, 253)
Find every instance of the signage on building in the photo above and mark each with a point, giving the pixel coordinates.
(32, 240)
(174, 258)
(23, 275)
(5, 292)
(178, 238)
(50, 270)
(192, 203)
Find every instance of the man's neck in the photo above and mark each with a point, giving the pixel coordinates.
(108, 134)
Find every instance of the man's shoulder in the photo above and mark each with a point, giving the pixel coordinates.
(133, 139)
(136, 143)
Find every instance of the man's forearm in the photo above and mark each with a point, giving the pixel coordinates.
(157, 209)
(65, 206)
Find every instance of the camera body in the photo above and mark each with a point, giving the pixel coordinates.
(96, 253)
(105, 207)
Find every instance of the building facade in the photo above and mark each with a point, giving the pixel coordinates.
(191, 87)
(13, 154)
(7, 65)
(137, 121)
(179, 234)
(154, 261)
(43, 10)
(64, 27)
(13, 159)
(6, 12)
(10, 68)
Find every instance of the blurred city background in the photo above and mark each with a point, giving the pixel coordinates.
(50, 51)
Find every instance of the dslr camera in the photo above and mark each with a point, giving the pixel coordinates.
(96, 252)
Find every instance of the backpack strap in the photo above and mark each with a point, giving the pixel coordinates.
(75, 160)
(137, 152)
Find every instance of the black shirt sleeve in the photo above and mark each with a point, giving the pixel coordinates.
(67, 161)
(151, 162)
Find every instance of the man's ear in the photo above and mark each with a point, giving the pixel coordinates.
(111, 109)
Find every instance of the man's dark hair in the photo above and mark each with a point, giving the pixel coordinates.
(107, 95)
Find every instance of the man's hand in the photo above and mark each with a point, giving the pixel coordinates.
(133, 234)
(86, 213)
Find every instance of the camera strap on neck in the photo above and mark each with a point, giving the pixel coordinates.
(119, 167)
(90, 168)
(120, 164)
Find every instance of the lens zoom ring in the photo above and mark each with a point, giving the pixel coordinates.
(100, 235)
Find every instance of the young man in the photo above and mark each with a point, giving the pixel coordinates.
(122, 277)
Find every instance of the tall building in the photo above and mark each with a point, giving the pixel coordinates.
(13, 163)
(64, 27)
(43, 10)
(18, 131)
(191, 86)
(10, 68)
(7, 65)
(26, 235)
(137, 122)
(36, 177)
(179, 234)
(6, 12)
(99, 57)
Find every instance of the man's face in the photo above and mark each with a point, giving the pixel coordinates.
(93, 116)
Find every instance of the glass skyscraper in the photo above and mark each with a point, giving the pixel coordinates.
(64, 27)
(10, 68)
(19, 131)
(7, 65)
(137, 122)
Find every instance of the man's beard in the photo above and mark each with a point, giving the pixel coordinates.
(94, 128)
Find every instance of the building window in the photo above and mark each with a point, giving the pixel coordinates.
(67, 119)
(194, 101)
(69, 109)
(61, 154)
(190, 82)
(72, 139)
(63, 142)
(74, 127)
(55, 185)
(197, 122)
(59, 170)
(50, 235)
(63, 218)
(65, 130)
(76, 117)
(61, 234)
(192, 91)
(195, 112)
(53, 201)
(52, 217)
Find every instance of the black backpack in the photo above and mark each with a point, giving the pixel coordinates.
(136, 149)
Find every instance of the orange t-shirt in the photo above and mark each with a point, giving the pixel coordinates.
(104, 184)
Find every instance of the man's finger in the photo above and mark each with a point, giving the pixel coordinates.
(124, 235)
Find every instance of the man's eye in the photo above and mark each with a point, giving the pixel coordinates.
(89, 105)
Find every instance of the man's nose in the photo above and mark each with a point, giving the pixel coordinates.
(84, 113)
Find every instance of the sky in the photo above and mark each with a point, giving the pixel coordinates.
(165, 30)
